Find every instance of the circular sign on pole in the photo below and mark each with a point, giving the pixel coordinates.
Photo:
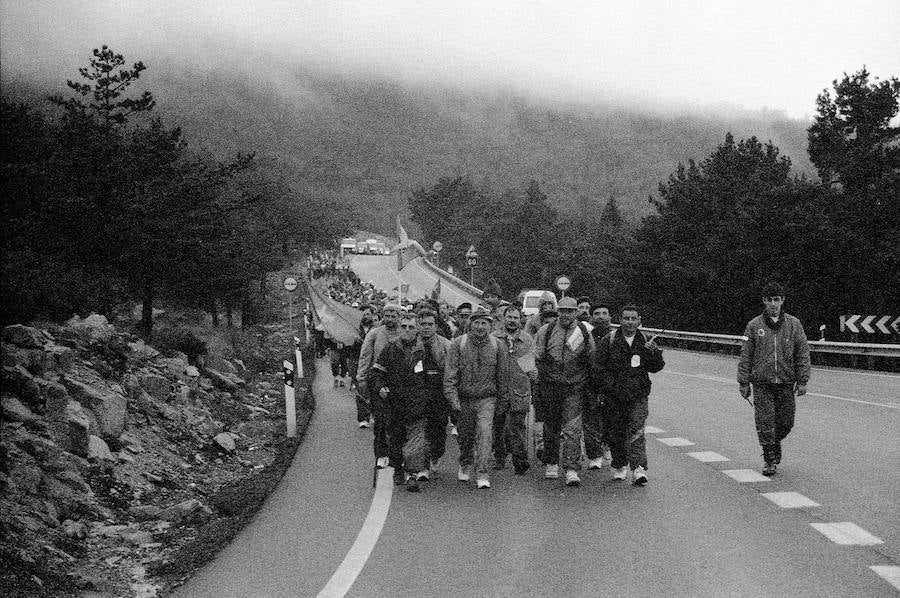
(290, 283)
(437, 246)
(563, 283)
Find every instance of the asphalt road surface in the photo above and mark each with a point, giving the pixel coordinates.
(695, 530)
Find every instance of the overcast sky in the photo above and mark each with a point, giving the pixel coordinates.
(753, 54)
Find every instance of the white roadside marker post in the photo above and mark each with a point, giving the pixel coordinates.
(290, 405)
(299, 356)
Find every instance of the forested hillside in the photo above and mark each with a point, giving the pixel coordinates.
(370, 143)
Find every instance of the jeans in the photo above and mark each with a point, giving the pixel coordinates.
(476, 418)
(563, 418)
(774, 415)
(626, 431)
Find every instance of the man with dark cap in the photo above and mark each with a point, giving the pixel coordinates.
(564, 354)
(471, 385)
(584, 309)
(775, 360)
(463, 311)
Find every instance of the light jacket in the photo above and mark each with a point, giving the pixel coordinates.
(376, 340)
(472, 370)
(566, 356)
(515, 386)
(774, 355)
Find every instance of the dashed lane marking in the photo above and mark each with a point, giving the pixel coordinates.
(790, 500)
(745, 476)
(813, 394)
(708, 456)
(845, 533)
(653, 430)
(890, 573)
(676, 441)
(350, 568)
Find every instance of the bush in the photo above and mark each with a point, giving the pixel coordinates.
(169, 341)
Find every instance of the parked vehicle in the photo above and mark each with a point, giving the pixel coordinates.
(531, 300)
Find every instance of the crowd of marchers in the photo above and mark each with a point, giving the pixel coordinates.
(420, 371)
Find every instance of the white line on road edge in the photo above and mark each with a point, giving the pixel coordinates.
(815, 394)
(676, 441)
(890, 573)
(653, 430)
(350, 568)
(745, 476)
(846, 532)
(790, 500)
(708, 456)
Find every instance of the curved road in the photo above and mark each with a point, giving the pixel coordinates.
(382, 271)
(694, 531)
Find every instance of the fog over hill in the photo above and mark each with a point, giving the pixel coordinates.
(368, 143)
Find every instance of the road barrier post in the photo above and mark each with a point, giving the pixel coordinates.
(290, 403)
(299, 356)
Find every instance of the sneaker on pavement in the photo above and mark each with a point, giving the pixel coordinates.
(364, 423)
(620, 473)
(551, 472)
(595, 463)
(423, 476)
(640, 476)
(483, 482)
(463, 474)
(381, 462)
(572, 478)
(769, 469)
(453, 431)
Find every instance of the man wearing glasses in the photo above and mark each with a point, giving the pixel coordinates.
(775, 360)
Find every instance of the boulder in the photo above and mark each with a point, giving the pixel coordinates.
(192, 372)
(19, 381)
(70, 429)
(143, 351)
(144, 512)
(158, 386)
(127, 441)
(60, 357)
(42, 449)
(95, 326)
(106, 401)
(74, 529)
(24, 336)
(74, 481)
(54, 397)
(98, 449)
(221, 381)
(173, 366)
(225, 440)
(36, 361)
(189, 511)
(14, 410)
(220, 364)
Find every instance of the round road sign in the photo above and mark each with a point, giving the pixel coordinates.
(437, 246)
(563, 283)
(290, 283)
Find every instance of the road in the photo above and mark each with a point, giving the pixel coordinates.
(382, 271)
(694, 531)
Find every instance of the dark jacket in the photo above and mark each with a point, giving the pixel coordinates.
(515, 385)
(618, 379)
(413, 376)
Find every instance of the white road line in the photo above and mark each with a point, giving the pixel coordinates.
(790, 500)
(845, 533)
(350, 568)
(676, 441)
(814, 394)
(890, 573)
(745, 476)
(653, 430)
(708, 456)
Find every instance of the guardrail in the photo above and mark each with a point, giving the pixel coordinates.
(451, 278)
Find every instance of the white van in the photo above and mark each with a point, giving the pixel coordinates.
(531, 300)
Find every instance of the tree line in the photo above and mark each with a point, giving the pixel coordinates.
(105, 203)
(721, 228)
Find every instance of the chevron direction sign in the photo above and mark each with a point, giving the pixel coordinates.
(871, 324)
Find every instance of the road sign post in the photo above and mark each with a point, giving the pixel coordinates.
(290, 402)
(563, 283)
(472, 261)
(436, 247)
(290, 285)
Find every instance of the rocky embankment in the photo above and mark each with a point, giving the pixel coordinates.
(122, 470)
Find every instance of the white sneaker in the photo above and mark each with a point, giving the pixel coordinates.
(572, 478)
(453, 430)
(551, 472)
(381, 463)
(483, 482)
(463, 475)
(364, 423)
(595, 463)
(423, 476)
(640, 476)
(620, 473)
